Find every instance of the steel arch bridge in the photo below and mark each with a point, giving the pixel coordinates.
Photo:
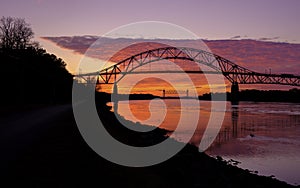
(236, 74)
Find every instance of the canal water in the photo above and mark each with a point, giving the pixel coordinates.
(263, 136)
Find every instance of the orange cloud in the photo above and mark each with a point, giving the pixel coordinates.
(260, 56)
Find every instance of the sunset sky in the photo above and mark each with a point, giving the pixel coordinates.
(211, 19)
(262, 20)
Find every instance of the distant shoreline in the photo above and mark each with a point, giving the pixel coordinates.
(253, 95)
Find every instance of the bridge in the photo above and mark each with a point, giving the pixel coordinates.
(236, 74)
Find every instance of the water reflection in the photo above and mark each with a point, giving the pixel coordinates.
(246, 119)
(234, 119)
(257, 134)
(228, 132)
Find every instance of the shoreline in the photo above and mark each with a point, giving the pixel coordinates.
(61, 158)
(193, 150)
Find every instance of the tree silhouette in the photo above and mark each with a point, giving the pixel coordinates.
(28, 73)
(15, 33)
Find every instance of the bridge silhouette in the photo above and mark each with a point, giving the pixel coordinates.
(233, 72)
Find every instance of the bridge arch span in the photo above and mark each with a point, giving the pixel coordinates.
(235, 73)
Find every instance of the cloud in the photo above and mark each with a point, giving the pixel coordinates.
(256, 55)
(268, 38)
(236, 37)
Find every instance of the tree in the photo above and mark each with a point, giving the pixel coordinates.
(15, 33)
(29, 74)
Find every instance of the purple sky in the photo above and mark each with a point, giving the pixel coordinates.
(212, 19)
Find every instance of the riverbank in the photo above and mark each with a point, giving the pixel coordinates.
(61, 158)
(291, 95)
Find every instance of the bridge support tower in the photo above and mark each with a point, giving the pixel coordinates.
(234, 93)
(164, 94)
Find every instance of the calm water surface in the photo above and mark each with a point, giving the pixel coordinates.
(264, 137)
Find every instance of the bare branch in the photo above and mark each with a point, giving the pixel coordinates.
(15, 33)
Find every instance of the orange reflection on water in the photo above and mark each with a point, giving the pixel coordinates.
(141, 111)
(156, 86)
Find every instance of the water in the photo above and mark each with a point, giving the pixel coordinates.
(264, 137)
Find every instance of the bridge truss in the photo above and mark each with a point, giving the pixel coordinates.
(234, 73)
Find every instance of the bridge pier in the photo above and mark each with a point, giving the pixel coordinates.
(234, 93)
(164, 94)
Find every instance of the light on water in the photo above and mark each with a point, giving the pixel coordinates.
(264, 137)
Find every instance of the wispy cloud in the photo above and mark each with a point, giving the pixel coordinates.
(258, 55)
(268, 38)
(236, 37)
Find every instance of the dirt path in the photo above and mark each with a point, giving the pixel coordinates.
(19, 131)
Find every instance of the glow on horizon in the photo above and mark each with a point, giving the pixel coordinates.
(72, 63)
(71, 58)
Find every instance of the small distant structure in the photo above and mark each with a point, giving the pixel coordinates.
(164, 92)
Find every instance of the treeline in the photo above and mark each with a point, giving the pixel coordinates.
(32, 75)
(292, 95)
(28, 73)
(102, 96)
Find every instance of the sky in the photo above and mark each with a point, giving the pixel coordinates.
(271, 20)
(211, 19)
